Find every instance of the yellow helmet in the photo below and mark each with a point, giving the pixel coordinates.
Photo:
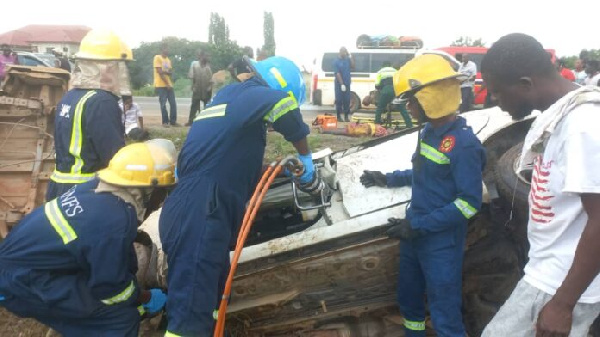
(421, 71)
(148, 164)
(103, 45)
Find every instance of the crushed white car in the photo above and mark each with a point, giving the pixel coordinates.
(333, 270)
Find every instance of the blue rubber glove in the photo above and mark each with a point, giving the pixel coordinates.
(157, 301)
(2, 298)
(309, 168)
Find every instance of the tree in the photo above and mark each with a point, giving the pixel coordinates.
(569, 61)
(218, 31)
(466, 41)
(591, 54)
(268, 48)
(223, 50)
(181, 52)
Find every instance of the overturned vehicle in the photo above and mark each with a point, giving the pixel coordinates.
(332, 271)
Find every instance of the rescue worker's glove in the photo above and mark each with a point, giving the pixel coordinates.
(401, 229)
(373, 178)
(313, 187)
(309, 168)
(157, 301)
(309, 182)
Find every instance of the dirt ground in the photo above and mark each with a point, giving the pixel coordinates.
(12, 326)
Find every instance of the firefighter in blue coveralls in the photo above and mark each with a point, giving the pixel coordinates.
(446, 184)
(71, 264)
(218, 168)
(88, 129)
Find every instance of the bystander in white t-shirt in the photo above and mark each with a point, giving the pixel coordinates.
(593, 80)
(131, 117)
(568, 167)
(470, 71)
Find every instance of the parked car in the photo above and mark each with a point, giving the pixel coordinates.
(49, 59)
(32, 60)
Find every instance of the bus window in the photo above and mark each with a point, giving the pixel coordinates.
(328, 61)
(395, 60)
(361, 62)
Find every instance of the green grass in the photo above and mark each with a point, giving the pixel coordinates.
(277, 147)
(182, 87)
(176, 135)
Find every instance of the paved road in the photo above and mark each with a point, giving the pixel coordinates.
(151, 109)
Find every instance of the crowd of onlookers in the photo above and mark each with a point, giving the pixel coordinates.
(586, 72)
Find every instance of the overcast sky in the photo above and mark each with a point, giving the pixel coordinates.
(306, 27)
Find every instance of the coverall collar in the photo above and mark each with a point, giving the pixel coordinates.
(442, 130)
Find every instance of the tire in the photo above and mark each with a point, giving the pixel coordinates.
(514, 193)
(354, 102)
(509, 184)
(317, 97)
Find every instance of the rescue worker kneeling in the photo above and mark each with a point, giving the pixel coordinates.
(446, 181)
(71, 264)
(219, 166)
(88, 129)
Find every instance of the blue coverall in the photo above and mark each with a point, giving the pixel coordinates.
(88, 131)
(71, 265)
(446, 193)
(218, 168)
(342, 98)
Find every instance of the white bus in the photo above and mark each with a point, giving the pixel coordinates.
(367, 64)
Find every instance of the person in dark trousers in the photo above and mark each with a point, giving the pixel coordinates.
(88, 127)
(71, 263)
(467, 68)
(385, 85)
(163, 84)
(201, 77)
(559, 294)
(343, 65)
(219, 165)
(446, 181)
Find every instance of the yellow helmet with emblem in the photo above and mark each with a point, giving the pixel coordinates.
(103, 45)
(421, 71)
(148, 164)
(433, 81)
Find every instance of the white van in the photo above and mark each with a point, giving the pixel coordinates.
(367, 64)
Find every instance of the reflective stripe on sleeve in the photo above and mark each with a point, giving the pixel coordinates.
(122, 296)
(281, 108)
(170, 334)
(77, 133)
(467, 210)
(414, 325)
(58, 222)
(71, 178)
(213, 111)
(434, 155)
